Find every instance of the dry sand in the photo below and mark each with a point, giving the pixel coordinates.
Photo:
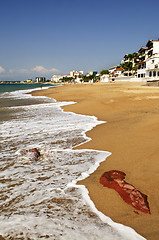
(131, 134)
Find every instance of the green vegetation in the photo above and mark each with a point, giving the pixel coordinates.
(130, 56)
(135, 68)
(66, 79)
(87, 78)
(104, 72)
(127, 66)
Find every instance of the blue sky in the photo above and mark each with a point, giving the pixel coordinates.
(43, 38)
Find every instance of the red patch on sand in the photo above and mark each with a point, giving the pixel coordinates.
(115, 179)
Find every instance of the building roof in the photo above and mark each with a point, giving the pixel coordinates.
(151, 41)
(119, 69)
(142, 48)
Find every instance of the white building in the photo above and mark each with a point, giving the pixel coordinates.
(118, 72)
(152, 67)
(105, 78)
(40, 79)
(89, 74)
(56, 78)
(111, 70)
(73, 74)
(148, 65)
(76, 74)
(115, 71)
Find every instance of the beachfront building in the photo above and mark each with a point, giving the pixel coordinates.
(118, 72)
(74, 76)
(55, 78)
(142, 65)
(40, 79)
(115, 71)
(77, 75)
(152, 61)
(148, 64)
(105, 78)
(29, 80)
(58, 78)
(92, 73)
(141, 62)
(152, 69)
(111, 71)
(89, 74)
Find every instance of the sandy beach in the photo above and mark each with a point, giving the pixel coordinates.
(131, 112)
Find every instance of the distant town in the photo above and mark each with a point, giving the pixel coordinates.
(142, 65)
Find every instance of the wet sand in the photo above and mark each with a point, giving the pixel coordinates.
(131, 112)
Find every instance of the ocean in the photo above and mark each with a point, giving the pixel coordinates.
(40, 199)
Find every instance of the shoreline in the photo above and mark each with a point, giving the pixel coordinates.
(131, 114)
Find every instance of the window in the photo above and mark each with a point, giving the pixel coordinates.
(153, 61)
(150, 74)
(138, 75)
(154, 73)
(158, 74)
(142, 75)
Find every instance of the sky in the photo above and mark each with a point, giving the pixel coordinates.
(47, 37)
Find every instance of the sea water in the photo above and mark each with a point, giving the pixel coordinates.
(40, 199)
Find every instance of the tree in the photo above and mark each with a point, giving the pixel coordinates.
(135, 68)
(66, 79)
(127, 66)
(104, 72)
(87, 78)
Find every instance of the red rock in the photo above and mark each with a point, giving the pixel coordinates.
(115, 179)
